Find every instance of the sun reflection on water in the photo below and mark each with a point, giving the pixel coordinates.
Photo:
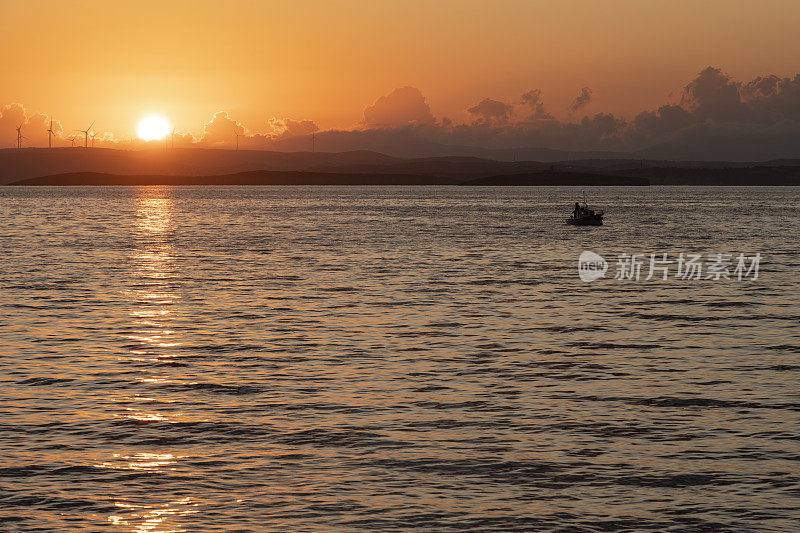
(154, 275)
(153, 462)
(154, 214)
(152, 337)
(157, 519)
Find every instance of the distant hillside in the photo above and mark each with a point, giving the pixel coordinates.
(734, 145)
(33, 162)
(460, 168)
(404, 143)
(260, 177)
(251, 167)
(263, 177)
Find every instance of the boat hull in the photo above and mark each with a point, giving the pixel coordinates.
(588, 221)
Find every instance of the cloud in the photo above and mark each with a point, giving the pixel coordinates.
(718, 101)
(37, 127)
(603, 126)
(105, 139)
(402, 106)
(757, 119)
(11, 116)
(533, 100)
(771, 98)
(34, 126)
(665, 120)
(582, 100)
(716, 116)
(221, 130)
(183, 140)
(491, 112)
(713, 95)
(286, 127)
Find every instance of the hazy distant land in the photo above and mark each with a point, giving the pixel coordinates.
(252, 167)
(326, 178)
(256, 177)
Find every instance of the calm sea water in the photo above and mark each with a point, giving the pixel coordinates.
(389, 359)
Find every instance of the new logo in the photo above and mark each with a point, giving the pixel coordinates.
(591, 266)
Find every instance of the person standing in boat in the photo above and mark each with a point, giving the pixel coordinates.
(577, 210)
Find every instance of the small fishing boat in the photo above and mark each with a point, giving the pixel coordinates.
(583, 216)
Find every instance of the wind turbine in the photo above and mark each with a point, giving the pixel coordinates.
(19, 136)
(237, 138)
(86, 135)
(313, 142)
(50, 134)
(93, 136)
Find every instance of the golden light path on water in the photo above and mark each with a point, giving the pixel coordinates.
(152, 303)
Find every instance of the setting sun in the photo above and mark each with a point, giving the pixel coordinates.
(152, 128)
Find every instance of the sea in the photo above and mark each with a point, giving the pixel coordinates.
(320, 359)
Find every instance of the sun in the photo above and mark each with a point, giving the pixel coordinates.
(152, 128)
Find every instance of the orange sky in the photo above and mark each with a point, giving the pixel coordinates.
(114, 62)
